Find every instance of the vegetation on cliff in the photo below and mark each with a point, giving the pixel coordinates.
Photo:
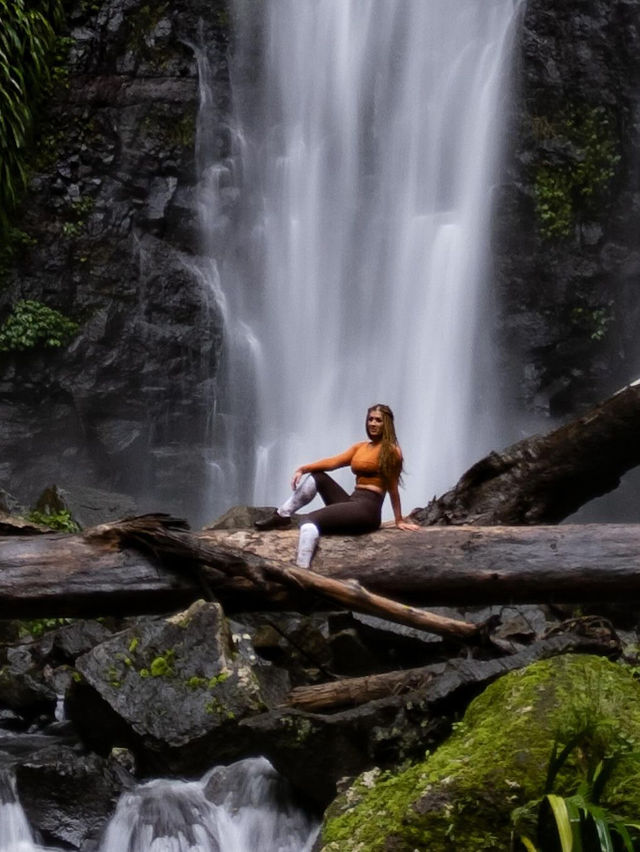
(27, 44)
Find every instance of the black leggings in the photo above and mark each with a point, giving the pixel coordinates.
(352, 514)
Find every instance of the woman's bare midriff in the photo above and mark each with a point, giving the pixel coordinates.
(369, 488)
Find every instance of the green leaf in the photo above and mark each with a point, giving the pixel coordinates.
(563, 821)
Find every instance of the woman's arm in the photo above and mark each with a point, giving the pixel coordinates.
(401, 524)
(332, 463)
(396, 505)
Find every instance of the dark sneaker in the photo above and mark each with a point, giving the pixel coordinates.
(273, 522)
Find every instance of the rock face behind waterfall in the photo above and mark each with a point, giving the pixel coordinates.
(174, 690)
(111, 224)
(568, 211)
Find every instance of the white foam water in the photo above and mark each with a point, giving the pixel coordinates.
(240, 808)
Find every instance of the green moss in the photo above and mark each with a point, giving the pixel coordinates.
(218, 679)
(162, 665)
(196, 682)
(573, 180)
(462, 796)
(142, 20)
(216, 707)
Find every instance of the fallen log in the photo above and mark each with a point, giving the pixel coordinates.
(159, 535)
(586, 636)
(76, 575)
(545, 478)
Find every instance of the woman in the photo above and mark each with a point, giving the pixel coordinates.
(377, 465)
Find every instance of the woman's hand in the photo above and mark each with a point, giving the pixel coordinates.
(408, 526)
(297, 475)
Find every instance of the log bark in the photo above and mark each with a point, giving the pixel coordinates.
(545, 478)
(586, 636)
(166, 536)
(75, 575)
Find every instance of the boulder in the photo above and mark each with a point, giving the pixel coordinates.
(87, 507)
(23, 685)
(69, 796)
(174, 690)
(464, 794)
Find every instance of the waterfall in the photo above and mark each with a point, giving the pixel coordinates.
(15, 834)
(239, 808)
(367, 138)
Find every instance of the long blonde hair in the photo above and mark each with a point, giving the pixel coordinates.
(390, 455)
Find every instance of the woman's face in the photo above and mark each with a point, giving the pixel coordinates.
(374, 424)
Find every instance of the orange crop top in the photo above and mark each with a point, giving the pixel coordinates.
(363, 458)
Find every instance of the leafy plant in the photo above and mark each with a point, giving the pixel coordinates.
(591, 320)
(27, 39)
(38, 626)
(579, 822)
(61, 520)
(576, 181)
(32, 324)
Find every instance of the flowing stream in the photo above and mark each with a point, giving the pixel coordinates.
(368, 136)
(241, 808)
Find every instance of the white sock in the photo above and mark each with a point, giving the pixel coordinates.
(309, 535)
(303, 494)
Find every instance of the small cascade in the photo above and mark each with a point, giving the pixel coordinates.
(230, 395)
(15, 834)
(244, 807)
(241, 808)
(368, 136)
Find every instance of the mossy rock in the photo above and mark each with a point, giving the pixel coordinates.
(462, 797)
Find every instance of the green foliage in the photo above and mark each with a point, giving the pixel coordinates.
(32, 324)
(78, 214)
(576, 183)
(15, 242)
(571, 823)
(38, 626)
(61, 520)
(27, 42)
(141, 21)
(594, 321)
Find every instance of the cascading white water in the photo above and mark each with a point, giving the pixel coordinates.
(241, 808)
(368, 135)
(251, 814)
(15, 834)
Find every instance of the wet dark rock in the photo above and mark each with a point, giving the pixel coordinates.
(567, 290)
(68, 796)
(87, 507)
(113, 221)
(315, 751)
(78, 637)
(23, 685)
(174, 691)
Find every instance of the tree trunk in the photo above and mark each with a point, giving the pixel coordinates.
(100, 574)
(585, 635)
(545, 478)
